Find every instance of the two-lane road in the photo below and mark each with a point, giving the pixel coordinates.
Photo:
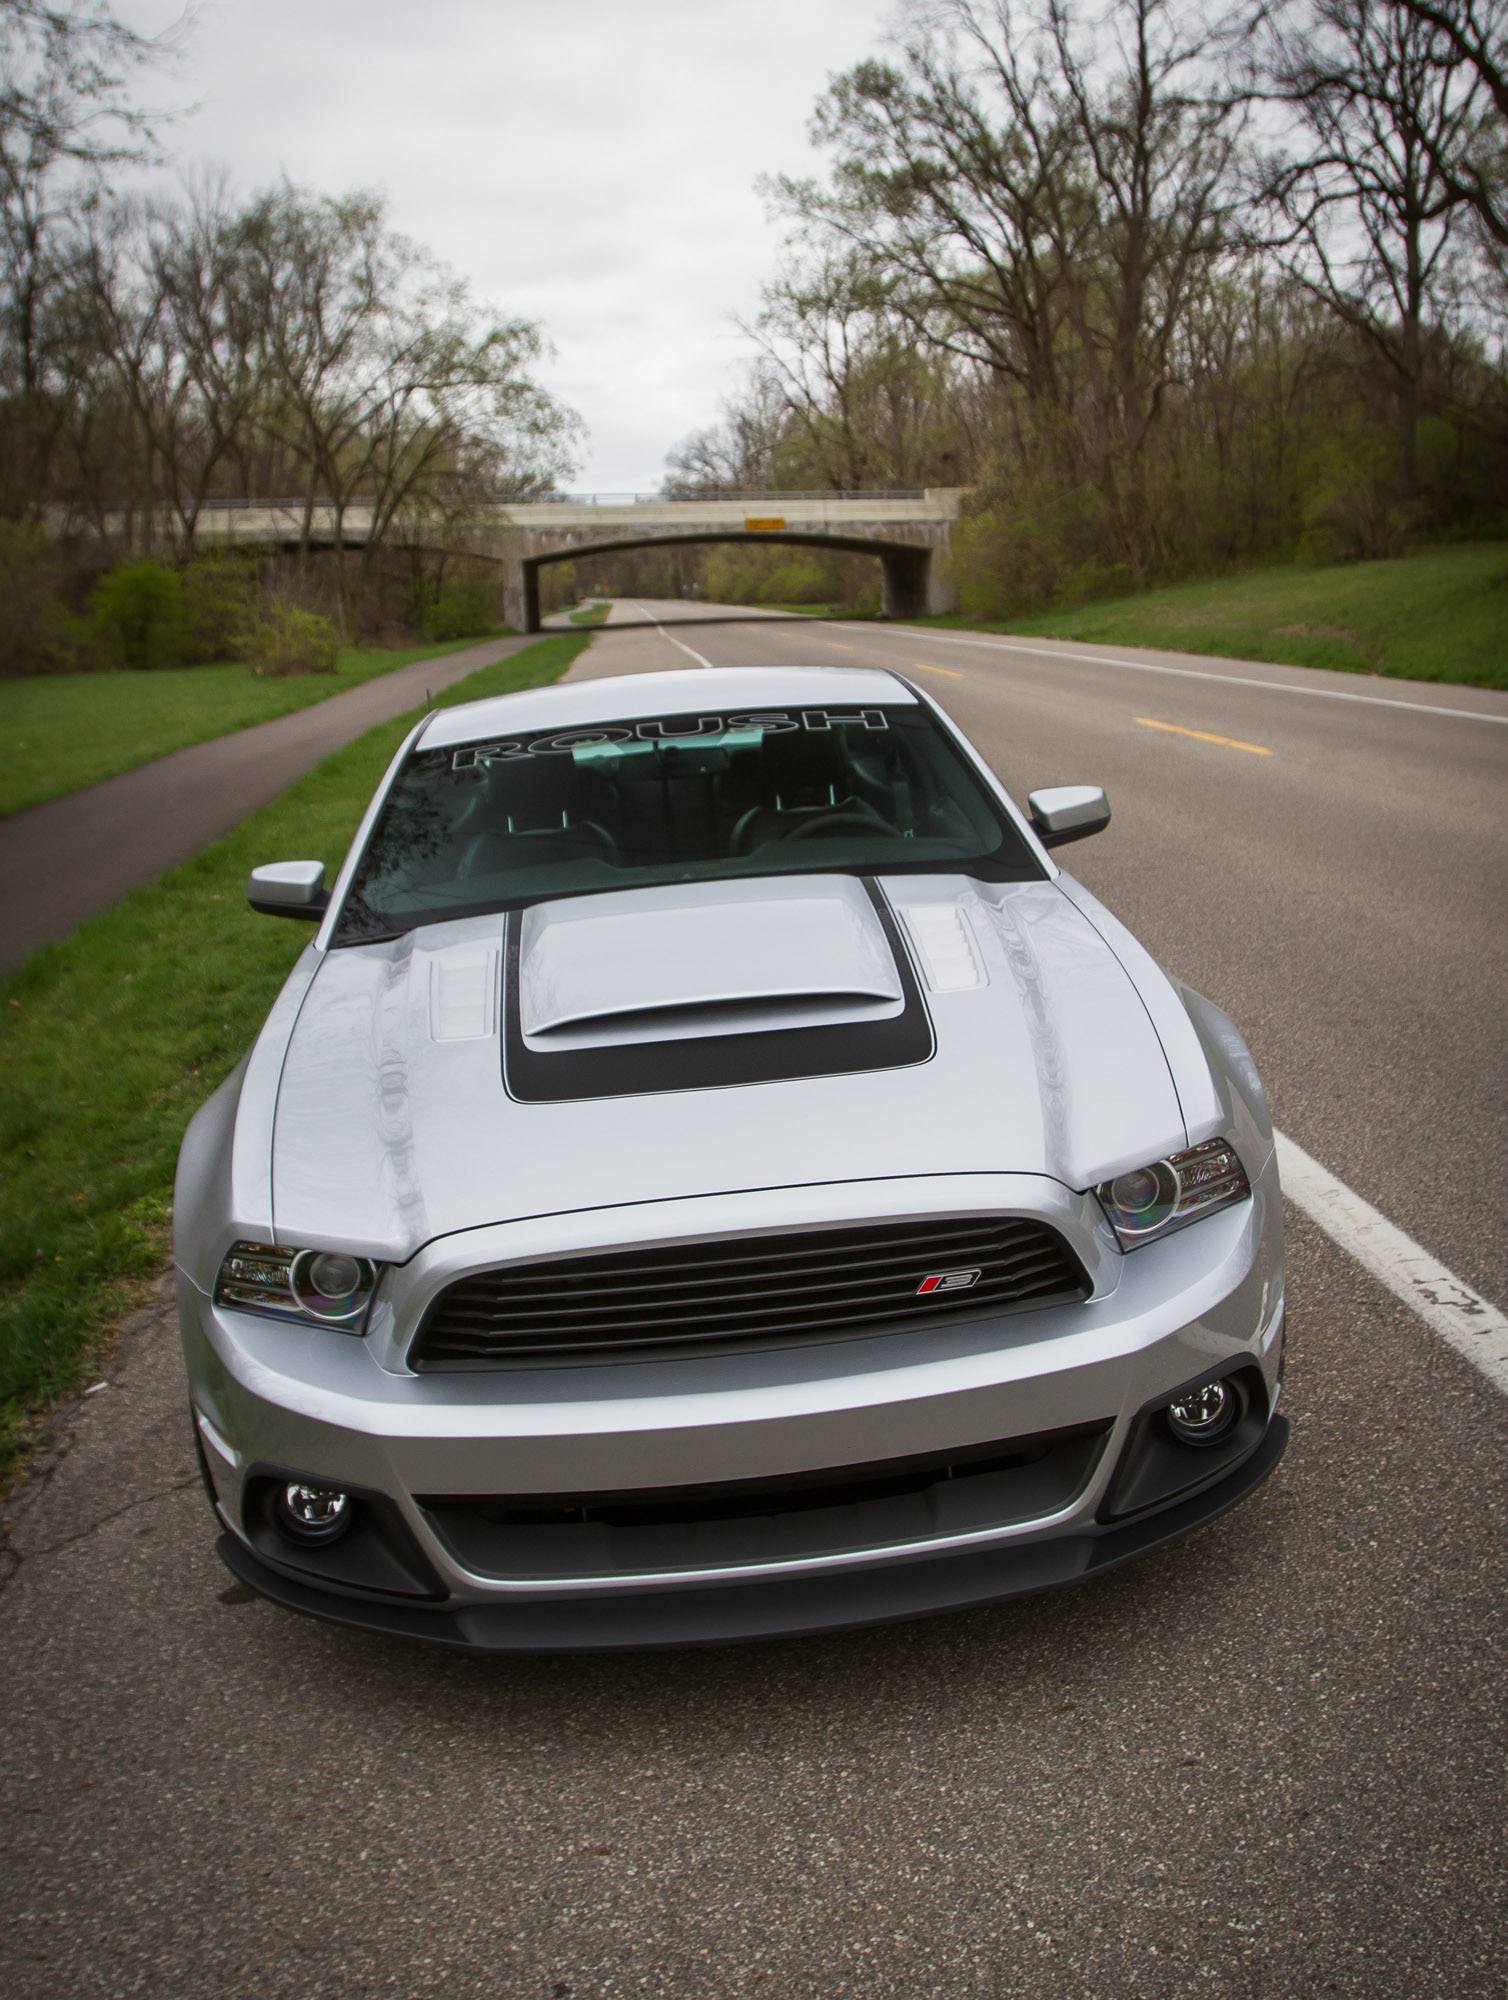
(1332, 871)
(1266, 1762)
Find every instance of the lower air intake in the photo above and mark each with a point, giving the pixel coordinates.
(804, 1285)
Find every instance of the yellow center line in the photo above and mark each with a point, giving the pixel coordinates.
(923, 668)
(838, 646)
(1230, 742)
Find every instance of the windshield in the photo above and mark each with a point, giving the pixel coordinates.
(676, 798)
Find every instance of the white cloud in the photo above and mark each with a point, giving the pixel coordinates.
(589, 165)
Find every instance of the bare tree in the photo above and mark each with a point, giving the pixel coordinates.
(172, 306)
(1368, 219)
(865, 406)
(1475, 162)
(736, 454)
(383, 377)
(65, 115)
(1049, 190)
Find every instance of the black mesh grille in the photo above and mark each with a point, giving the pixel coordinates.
(769, 1287)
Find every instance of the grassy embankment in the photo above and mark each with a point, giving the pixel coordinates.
(110, 1039)
(59, 732)
(1438, 616)
(590, 614)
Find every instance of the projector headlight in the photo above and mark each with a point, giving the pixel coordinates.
(325, 1286)
(1150, 1201)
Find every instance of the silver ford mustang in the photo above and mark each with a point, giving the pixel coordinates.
(711, 1175)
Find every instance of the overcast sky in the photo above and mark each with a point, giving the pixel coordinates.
(589, 165)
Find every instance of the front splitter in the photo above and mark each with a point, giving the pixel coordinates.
(772, 1608)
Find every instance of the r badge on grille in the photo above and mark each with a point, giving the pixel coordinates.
(949, 1281)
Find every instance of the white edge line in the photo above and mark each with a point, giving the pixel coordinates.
(1193, 674)
(1462, 1318)
(701, 662)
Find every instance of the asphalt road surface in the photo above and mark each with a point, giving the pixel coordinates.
(72, 857)
(1269, 1761)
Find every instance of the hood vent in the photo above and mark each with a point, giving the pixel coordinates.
(463, 993)
(711, 959)
(707, 987)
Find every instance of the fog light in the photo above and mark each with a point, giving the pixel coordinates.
(312, 1513)
(1203, 1415)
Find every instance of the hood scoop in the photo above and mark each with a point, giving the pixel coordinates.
(705, 987)
(657, 965)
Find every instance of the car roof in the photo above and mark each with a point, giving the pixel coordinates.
(625, 697)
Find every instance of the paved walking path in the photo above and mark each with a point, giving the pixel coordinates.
(75, 856)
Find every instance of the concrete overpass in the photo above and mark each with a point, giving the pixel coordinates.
(908, 532)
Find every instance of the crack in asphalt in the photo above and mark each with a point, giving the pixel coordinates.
(12, 1559)
(29, 1491)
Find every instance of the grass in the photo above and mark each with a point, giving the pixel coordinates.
(590, 614)
(110, 1039)
(1438, 616)
(59, 732)
(810, 610)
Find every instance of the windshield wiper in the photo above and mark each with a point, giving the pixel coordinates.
(367, 937)
(361, 924)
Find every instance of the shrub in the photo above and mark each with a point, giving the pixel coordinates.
(281, 640)
(557, 586)
(1032, 549)
(219, 600)
(1350, 511)
(37, 636)
(775, 573)
(464, 609)
(801, 580)
(141, 615)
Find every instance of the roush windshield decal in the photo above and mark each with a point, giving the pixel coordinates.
(667, 730)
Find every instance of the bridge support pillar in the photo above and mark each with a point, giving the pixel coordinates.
(521, 595)
(916, 582)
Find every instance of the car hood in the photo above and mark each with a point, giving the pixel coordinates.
(394, 1123)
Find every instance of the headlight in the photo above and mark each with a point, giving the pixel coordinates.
(325, 1286)
(1149, 1201)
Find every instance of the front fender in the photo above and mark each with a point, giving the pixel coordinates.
(1243, 1102)
(202, 1186)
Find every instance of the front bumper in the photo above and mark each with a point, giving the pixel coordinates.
(728, 1614)
(273, 1401)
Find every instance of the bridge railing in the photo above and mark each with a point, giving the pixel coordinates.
(298, 503)
(733, 493)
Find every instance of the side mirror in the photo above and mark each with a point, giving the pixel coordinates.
(1068, 812)
(289, 889)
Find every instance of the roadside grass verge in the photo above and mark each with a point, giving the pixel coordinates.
(590, 614)
(111, 1038)
(1438, 616)
(814, 610)
(59, 732)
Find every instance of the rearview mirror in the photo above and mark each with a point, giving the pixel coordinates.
(1068, 812)
(289, 889)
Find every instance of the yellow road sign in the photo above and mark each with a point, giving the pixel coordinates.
(763, 527)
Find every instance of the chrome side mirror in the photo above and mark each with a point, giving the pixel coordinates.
(1068, 812)
(289, 889)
